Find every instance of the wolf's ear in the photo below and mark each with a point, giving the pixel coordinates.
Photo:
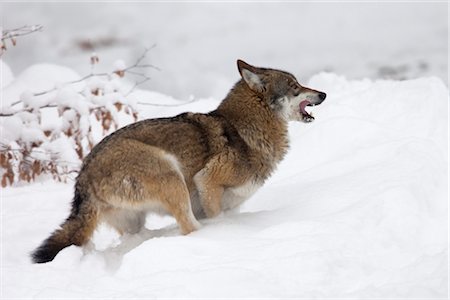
(251, 76)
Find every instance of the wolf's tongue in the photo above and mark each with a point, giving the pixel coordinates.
(303, 104)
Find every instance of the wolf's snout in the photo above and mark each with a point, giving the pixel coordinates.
(317, 99)
(322, 96)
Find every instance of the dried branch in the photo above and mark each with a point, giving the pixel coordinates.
(10, 114)
(168, 105)
(24, 30)
(136, 84)
(6, 148)
(140, 59)
(12, 34)
(6, 114)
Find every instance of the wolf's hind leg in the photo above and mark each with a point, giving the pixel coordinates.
(178, 203)
(125, 220)
(182, 212)
(174, 195)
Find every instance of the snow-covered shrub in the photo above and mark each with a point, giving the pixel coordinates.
(53, 130)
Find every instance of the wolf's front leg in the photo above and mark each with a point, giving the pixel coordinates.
(210, 192)
(225, 170)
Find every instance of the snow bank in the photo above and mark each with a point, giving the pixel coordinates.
(357, 209)
(6, 75)
(35, 79)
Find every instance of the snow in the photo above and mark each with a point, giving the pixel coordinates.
(36, 79)
(5, 73)
(43, 77)
(119, 65)
(358, 209)
(11, 128)
(396, 40)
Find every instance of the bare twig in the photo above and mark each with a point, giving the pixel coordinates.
(168, 105)
(12, 34)
(42, 107)
(10, 114)
(136, 84)
(24, 30)
(140, 59)
(5, 148)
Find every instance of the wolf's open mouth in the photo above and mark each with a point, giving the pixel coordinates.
(305, 115)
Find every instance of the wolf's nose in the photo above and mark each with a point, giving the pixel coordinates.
(322, 96)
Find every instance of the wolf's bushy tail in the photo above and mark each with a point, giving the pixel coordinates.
(76, 230)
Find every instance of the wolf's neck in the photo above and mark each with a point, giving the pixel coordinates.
(256, 123)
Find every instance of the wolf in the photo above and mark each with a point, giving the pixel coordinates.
(191, 166)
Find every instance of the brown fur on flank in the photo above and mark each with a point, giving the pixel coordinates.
(190, 166)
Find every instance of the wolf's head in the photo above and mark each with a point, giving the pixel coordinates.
(281, 91)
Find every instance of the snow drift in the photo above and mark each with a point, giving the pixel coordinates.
(357, 209)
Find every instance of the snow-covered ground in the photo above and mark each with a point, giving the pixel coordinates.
(359, 207)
